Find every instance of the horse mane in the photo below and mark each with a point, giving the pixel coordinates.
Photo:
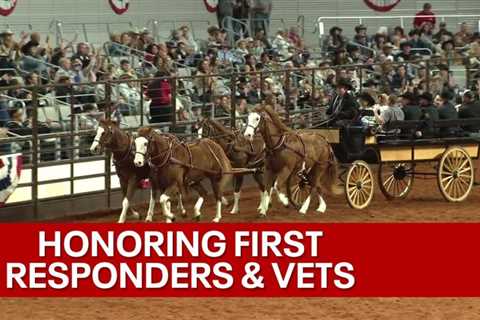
(218, 126)
(276, 119)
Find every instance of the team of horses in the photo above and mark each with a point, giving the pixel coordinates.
(267, 148)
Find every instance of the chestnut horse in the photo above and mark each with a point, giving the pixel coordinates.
(176, 165)
(241, 152)
(110, 136)
(289, 152)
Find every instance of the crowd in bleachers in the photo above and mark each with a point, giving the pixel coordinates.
(409, 66)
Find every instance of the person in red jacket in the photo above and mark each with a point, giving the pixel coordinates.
(159, 90)
(424, 16)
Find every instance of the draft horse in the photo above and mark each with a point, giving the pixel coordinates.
(242, 153)
(110, 137)
(291, 154)
(175, 165)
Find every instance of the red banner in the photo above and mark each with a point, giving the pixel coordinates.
(119, 6)
(7, 7)
(382, 5)
(281, 260)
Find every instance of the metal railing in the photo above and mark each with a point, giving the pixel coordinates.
(401, 19)
(73, 141)
(58, 27)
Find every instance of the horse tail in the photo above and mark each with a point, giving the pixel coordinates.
(330, 180)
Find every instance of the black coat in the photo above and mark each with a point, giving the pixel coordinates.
(343, 108)
(447, 112)
(469, 111)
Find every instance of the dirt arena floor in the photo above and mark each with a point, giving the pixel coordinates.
(240, 308)
(424, 203)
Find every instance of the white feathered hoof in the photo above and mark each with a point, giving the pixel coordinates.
(135, 215)
(148, 219)
(234, 211)
(224, 201)
(216, 220)
(184, 213)
(197, 218)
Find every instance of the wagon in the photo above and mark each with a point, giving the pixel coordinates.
(448, 152)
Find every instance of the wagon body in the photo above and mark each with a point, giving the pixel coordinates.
(397, 155)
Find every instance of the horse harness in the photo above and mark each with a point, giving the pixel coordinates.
(169, 156)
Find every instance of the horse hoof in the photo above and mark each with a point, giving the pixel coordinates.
(216, 220)
(224, 201)
(234, 212)
(121, 220)
(184, 213)
(197, 218)
(148, 219)
(261, 215)
(135, 215)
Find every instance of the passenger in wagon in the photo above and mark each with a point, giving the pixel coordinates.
(429, 114)
(470, 109)
(410, 109)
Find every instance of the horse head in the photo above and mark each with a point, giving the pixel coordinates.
(104, 137)
(254, 122)
(141, 145)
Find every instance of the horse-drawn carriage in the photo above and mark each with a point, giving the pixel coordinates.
(448, 149)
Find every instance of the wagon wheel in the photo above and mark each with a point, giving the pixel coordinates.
(298, 190)
(396, 179)
(359, 185)
(455, 174)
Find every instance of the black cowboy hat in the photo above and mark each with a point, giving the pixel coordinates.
(446, 95)
(443, 66)
(335, 28)
(446, 42)
(342, 82)
(405, 43)
(408, 95)
(360, 27)
(426, 96)
(365, 96)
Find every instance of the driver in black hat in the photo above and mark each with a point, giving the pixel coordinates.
(343, 107)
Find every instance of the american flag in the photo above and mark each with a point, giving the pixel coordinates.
(10, 169)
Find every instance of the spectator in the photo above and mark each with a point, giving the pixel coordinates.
(464, 36)
(224, 14)
(83, 54)
(261, 11)
(335, 39)
(241, 10)
(442, 33)
(160, 93)
(125, 69)
(405, 52)
(33, 43)
(425, 16)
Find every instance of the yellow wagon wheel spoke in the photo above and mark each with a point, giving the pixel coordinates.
(359, 185)
(455, 174)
